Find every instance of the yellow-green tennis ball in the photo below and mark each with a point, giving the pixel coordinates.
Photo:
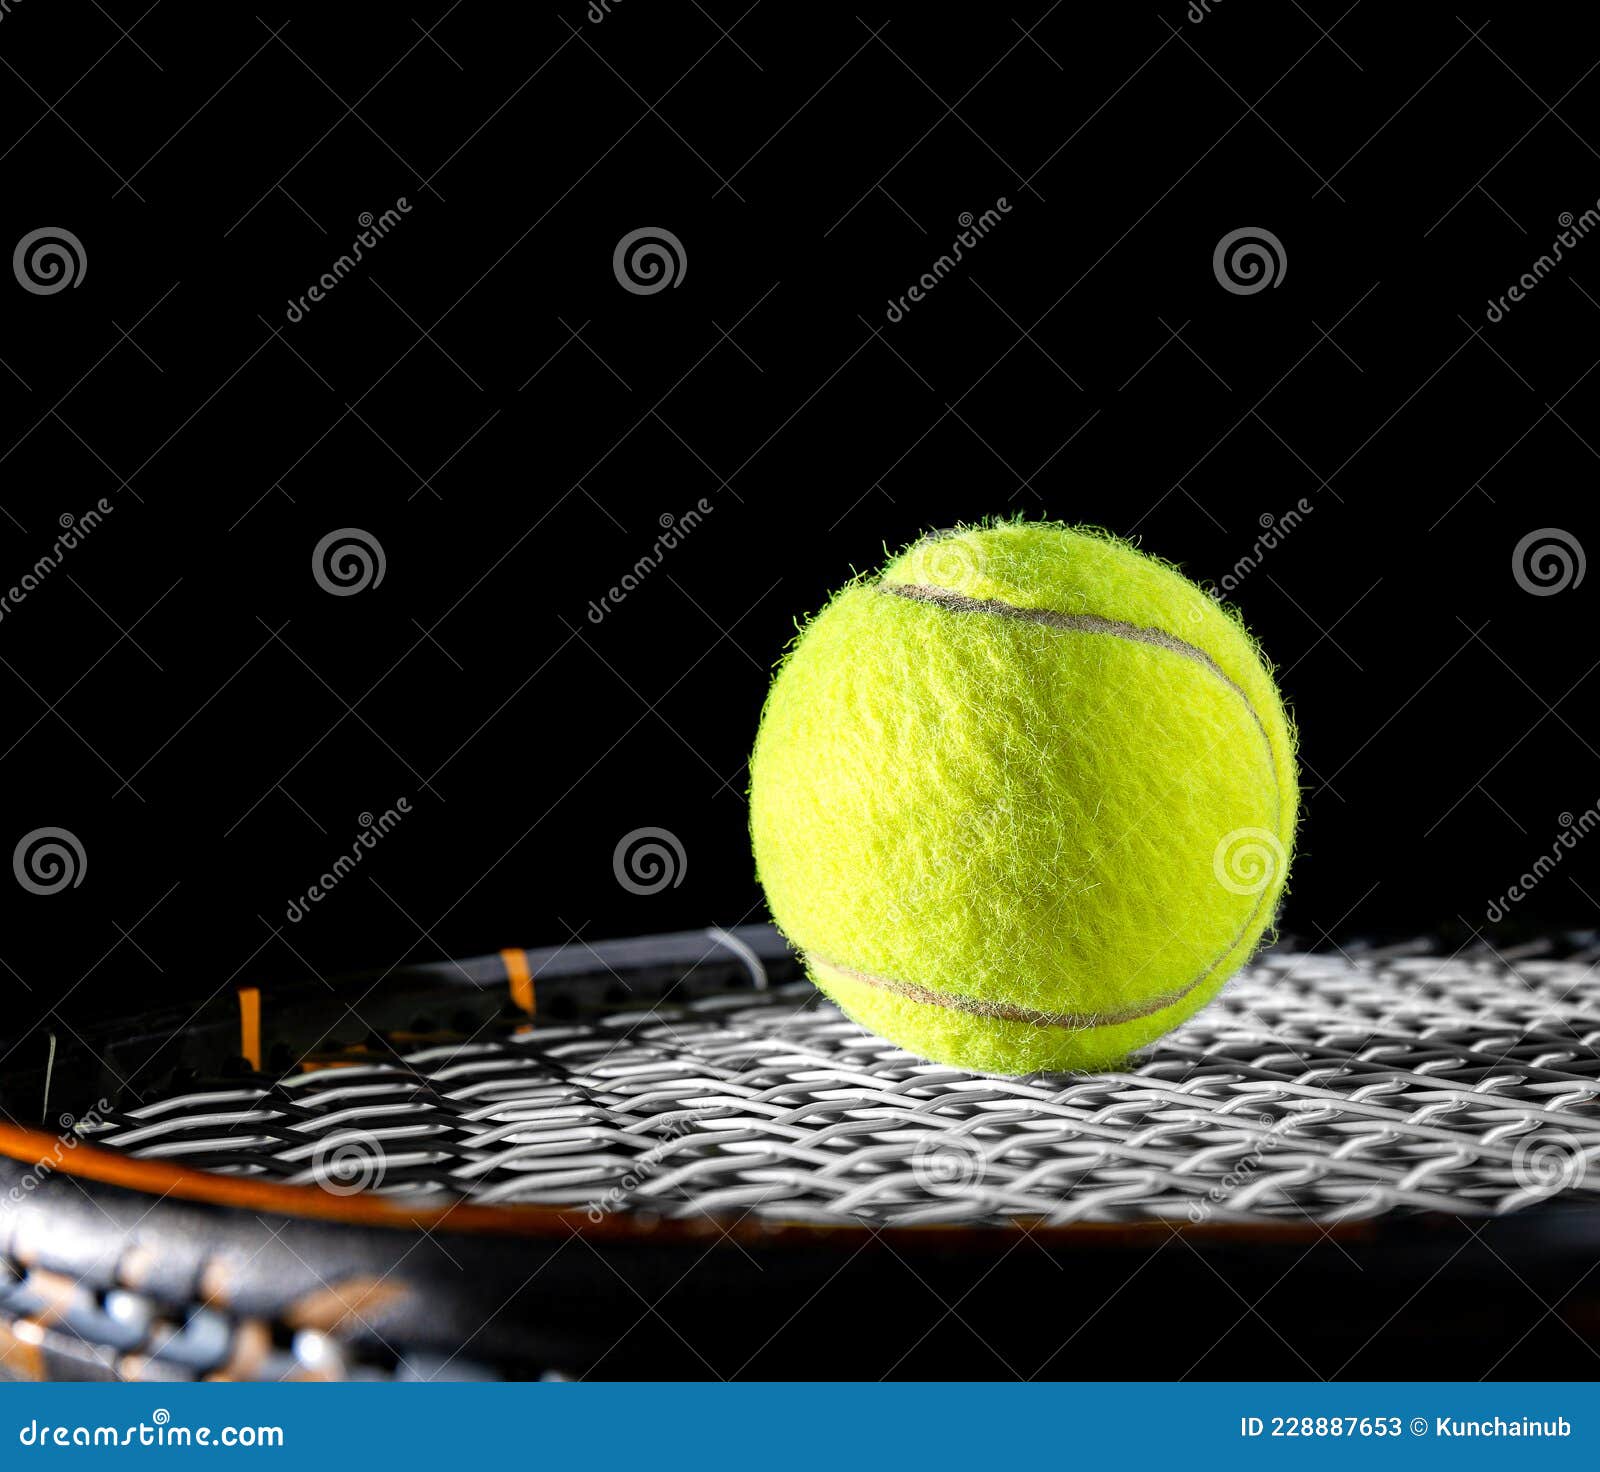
(1025, 800)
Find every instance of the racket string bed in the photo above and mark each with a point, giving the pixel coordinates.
(1322, 1094)
(1319, 1087)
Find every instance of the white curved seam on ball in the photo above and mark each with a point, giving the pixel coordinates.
(1081, 623)
(1085, 623)
(1007, 1012)
(1094, 623)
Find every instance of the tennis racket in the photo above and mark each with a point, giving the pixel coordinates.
(667, 1157)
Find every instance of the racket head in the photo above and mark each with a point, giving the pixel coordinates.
(1345, 1164)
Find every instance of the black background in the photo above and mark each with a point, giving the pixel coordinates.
(485, 400)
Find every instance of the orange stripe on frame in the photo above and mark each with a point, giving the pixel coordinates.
(519, 975)
(162, 1179)
(250, 1025)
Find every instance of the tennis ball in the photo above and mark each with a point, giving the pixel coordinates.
(1025, 800)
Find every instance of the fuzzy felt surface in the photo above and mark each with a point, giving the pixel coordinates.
(1024, 802)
